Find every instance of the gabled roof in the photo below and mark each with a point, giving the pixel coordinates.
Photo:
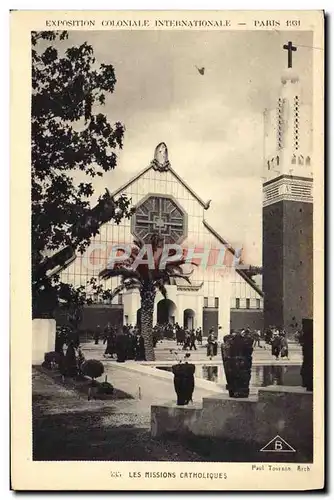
(204, 204)
(241, 272)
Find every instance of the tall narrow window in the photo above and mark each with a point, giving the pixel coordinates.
(216, 302)
(258, 304)
(237, 303)
(206, 301)
(247, 303)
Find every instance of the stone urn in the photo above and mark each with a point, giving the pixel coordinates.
(237, 350)
(184, 382)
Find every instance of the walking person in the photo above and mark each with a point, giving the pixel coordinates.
(256, 339)
(97, 335)
(193, 340)
(276, 344)
(139, 348)
(284, 346)
(186, 342)
(211, 344)
(111, 342)
(174, 332)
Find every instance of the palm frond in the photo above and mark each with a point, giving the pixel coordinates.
(172, 267)
(181, 262)
(138, 243)
(179, 270)
(161, 287)
(127, 284)
(182, 276)
(118, 290)
(130, 281)
(118, 271)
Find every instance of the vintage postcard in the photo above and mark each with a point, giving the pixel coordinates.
(167, 316)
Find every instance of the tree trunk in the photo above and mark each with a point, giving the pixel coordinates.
(147, 295)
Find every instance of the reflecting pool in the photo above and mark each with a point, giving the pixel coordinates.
(262, 375)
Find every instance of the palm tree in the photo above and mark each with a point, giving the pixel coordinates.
(148, 281)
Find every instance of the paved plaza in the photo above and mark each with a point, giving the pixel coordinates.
(163, 354)
(116, 426)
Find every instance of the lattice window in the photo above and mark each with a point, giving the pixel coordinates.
(280, 123)
(159, 215)
(296, 122)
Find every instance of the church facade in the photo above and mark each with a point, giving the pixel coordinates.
(220, 295)
(288, 209)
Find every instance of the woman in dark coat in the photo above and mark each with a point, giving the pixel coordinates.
(130, 348)
(111, 341)
(71, 368)
(139, 348)
(121, 348)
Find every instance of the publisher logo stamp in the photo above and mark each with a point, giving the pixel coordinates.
(278, 444)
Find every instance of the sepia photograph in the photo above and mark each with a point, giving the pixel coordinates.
(172, 245)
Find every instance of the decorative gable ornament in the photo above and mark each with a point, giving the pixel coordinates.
(160, 161)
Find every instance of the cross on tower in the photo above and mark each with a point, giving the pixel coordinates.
(290, 48)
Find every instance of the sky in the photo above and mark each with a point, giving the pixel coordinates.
(212, 124)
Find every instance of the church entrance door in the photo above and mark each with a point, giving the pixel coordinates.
(189, 319)
(138, 317)
(166, 312)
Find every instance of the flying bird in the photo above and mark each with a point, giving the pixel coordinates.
(200, 70)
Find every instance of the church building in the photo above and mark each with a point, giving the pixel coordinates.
(288, 207)
(219, 296)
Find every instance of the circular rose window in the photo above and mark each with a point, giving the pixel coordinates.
(162, 215)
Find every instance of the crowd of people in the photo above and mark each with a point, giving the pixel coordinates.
(127, 344)
(182, 335)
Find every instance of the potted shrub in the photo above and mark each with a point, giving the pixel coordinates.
(52, 360)
(92, 369)
(105, 388)
(237, 350)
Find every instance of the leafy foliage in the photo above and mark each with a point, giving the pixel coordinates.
(105, 388)
(148, 280)
(135, 276)
(71, 140)
(92, 368)
(52, 358)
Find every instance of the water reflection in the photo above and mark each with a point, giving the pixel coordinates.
(265, 375)
(210, 373)
(262, 375)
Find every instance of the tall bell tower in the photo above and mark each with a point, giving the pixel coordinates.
(288, 206)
